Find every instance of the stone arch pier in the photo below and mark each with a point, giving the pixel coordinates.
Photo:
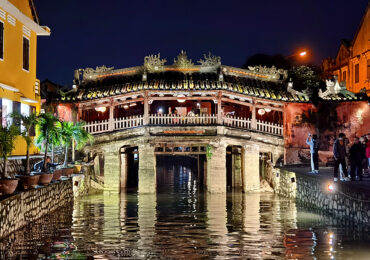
(232, 156)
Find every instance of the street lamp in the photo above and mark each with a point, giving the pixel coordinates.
(301, 54)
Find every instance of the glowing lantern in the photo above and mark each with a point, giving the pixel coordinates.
(101, 109)
(181, 98)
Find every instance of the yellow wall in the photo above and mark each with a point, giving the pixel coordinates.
(23, 6)
(360, 55)
(11, 68)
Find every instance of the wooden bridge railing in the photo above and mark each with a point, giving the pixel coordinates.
(182, 120)
(97, 127)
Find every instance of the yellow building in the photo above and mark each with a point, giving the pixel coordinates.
(352, 64)
(19, 87)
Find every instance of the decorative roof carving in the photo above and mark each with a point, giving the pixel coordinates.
(87, 73)
(210, 60)
(154, 63)
(273, 71)
(334, 88)
(182, 61)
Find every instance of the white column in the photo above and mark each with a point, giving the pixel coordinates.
(251, 172)
(147, 169)
(216, 170)
(111, 172)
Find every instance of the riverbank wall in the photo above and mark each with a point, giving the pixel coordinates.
(25, 207)
(345, 200)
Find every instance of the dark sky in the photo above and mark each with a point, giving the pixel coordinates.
(119, 33)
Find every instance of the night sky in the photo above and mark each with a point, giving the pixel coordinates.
(119, 33)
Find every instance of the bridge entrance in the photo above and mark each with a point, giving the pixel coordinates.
(234, 171)
(180, 168)
(129, 168)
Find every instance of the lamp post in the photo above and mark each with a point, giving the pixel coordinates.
(300, 54)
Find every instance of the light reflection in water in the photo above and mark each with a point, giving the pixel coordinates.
(181, 221)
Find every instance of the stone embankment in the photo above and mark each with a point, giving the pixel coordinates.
(23, 208)
(344, 200)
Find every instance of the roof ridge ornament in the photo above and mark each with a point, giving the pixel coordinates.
(88, 73)
(153, 63)
(210, 60)
(272, 71)
(182, 61)
(334, 88)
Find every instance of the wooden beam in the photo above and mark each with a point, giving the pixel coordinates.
(186, 98)
(237, 102)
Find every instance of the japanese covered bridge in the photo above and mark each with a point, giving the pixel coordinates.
(230, 120)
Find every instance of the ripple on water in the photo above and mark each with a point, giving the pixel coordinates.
(197, 225)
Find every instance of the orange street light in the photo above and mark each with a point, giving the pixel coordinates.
(303, 53)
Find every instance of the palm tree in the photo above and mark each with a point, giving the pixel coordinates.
(49, 127)
(7, 140)
(80, 136)
(73, 133)
(28, 122)
(66, 132)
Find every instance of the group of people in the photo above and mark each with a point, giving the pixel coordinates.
(357, 154)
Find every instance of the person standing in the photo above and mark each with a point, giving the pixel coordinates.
(339, 152)
(356, 155)
(314, 150)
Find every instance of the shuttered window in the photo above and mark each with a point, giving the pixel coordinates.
(1, 40)
(26, 54)
(357, 73)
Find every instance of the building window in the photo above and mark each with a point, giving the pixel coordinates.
(7, 109)
(1, 40)
(26, 54)
(25, 110)
(344, 76)
(357, 73)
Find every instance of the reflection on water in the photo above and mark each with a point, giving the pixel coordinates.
(182, 222)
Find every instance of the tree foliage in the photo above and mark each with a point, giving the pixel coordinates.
(8, 134)
(28, 122)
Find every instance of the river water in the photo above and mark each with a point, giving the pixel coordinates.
(183, 222)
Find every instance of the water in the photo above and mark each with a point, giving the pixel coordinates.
(182, 222)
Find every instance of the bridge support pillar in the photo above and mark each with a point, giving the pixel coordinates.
(237, 169)
(216, 170)
(147, 169)
(251, 171)
(111, 172)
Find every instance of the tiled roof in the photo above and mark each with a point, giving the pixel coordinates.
(188, 82)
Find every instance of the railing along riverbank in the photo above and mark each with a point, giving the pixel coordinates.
(97, 127)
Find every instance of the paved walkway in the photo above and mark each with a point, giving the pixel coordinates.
(327, 173)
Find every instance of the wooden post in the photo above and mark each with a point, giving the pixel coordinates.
(253, 122)
(219, 108)
(146, 109)
(79, 113)
(111, 118)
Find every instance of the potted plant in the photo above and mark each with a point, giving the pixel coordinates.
(7, 139)
(27, 122)
(49, 133)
